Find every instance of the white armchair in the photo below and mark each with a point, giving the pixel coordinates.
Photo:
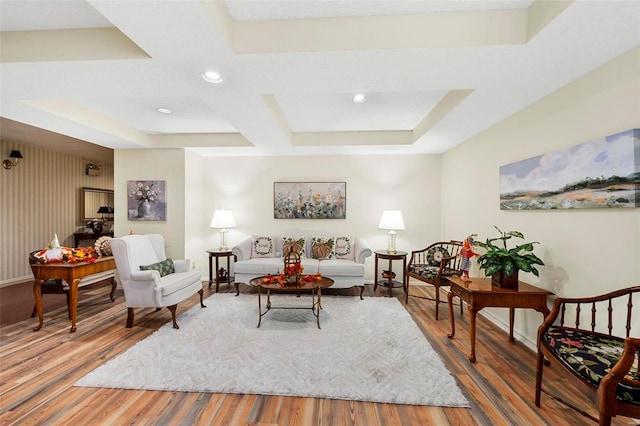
(147, 288)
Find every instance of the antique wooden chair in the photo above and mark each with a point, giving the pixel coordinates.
(601, 356)
(432, 265)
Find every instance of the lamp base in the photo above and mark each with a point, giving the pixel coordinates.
(392, 242)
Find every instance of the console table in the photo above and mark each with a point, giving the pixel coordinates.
(81, 236)
(72, 273)
(480, 293)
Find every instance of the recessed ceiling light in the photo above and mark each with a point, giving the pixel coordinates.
(359, 98)
(164, 110)
(212, 77)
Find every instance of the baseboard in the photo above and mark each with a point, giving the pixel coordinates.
(14, 281)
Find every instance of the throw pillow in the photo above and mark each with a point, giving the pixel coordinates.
(322, 248)
(165, 267)
(297, 244)
(344, 248)
(263, 247)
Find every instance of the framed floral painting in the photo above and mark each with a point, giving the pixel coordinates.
(146, 200)
(309, 200)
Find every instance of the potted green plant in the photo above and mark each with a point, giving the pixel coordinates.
(502, 263)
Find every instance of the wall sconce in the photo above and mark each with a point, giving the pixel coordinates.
(392, 219)
(223, 219)
(92, 169)
(14, 157)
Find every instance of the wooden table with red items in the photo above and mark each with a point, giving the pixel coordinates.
(308, 283)
(480, 293)
(72, 273)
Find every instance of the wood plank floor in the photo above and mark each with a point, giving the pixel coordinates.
(38, 369)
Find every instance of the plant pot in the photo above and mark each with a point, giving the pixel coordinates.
(500, 280)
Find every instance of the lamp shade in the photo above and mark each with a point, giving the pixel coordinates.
(223, 219)
(104, 209)
(15, 154)
(391, 219)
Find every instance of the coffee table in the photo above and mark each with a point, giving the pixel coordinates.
(314, 287)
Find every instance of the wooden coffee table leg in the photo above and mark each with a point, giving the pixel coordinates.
(259, 306)
(73, 290)
(511, 316)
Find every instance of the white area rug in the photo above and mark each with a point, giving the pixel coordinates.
(367, 350)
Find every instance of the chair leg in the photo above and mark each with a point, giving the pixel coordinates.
(201, 292)
(361, 292)
(406, 294)
(539, 367)
(173, 308)
(129, 317)
(113, 289)
(437, 299)
(604, 420)
(69, 303)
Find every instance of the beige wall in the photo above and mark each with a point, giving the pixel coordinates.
(153, 164)
(197, 186)
(374, 183)
(586, 252)
(39, 198)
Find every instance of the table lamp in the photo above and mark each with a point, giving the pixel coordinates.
(223, 219)
(391, 219)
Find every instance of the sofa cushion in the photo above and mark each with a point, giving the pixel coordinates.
(297, 244)
(591, 356)
(429, 272)
(344, 248)
(258, 266)
(322, 248)
(263, 247)
(165, 267)
(341, 267)
(310, 266)
(178, 281)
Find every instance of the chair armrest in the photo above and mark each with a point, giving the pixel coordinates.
(607, 399)
(151, 275)
(362, 250)
(242, 250)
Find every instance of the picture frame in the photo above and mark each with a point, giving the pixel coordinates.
(603, 173)
(309, 200)
(146, 200)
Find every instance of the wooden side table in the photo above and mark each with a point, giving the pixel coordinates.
(480, 293)
(389, 281)
(222, 275)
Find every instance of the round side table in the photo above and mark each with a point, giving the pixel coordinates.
(221, 275)
(389, 281)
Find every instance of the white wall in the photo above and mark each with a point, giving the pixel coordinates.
(374, 183)
(586, 252)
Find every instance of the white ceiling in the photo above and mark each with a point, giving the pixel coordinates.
(435, 73)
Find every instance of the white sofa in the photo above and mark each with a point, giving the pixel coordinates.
(346, 270)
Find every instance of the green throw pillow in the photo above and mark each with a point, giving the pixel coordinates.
(165, 267)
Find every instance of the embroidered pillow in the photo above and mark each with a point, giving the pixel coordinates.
(263, 247)
(165, 267)
(322, 248)
(297, 244)
(343, 247)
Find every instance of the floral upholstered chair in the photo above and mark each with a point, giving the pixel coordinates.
(594, 340)
(432, 265)
(150, 279)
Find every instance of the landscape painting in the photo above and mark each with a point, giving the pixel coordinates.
(309, 200)
(604, 173)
